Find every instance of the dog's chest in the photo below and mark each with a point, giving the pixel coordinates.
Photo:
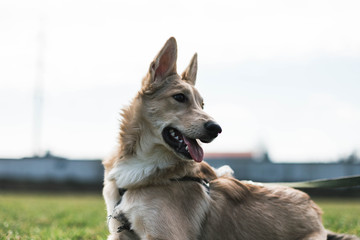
(163, 211)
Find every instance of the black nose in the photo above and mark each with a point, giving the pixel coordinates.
(213, 128)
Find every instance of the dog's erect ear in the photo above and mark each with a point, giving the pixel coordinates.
(189, 74)
(165, 62)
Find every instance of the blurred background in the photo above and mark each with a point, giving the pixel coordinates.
(281, 77)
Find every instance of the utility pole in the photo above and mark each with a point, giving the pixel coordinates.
(39, 91)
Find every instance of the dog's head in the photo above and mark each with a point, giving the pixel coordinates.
(172, 108)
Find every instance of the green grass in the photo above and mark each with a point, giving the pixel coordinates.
(29, 216)
(44, 216)
(341, 215)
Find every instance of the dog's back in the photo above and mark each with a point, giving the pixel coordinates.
(245, 211)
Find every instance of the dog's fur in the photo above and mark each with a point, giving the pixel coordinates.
(159, 205)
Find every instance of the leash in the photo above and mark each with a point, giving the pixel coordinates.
(352, 181)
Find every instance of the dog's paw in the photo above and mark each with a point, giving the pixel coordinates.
(224, 171)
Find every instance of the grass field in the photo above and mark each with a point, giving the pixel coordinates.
(30, 216)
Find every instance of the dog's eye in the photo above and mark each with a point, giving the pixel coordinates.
(202, 105)
(179, 97)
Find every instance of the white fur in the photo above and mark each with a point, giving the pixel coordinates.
(253, 183)
(224, 171)
(135, 170)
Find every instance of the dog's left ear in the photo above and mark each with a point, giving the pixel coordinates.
(163, 65)
(189, 74)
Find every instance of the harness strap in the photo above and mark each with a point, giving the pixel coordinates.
(202, 181)
(122, 191)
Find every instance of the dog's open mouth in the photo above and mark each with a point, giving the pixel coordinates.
(183, 145)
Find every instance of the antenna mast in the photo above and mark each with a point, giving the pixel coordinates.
(38, 91)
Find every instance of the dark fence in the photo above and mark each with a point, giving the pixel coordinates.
(55, 174)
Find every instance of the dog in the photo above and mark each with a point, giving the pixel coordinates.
(157, 186)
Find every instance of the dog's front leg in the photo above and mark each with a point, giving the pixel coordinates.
(123, 226)
(120, 227)
(128, 235)
(116, 221)
(125, 235)
(123, 231)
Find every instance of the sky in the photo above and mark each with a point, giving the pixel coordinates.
(277, 75)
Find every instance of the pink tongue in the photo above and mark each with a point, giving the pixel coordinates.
(195, 150)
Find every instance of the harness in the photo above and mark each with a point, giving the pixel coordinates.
(126, 225)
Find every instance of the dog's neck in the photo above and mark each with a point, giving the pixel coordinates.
(137, 172)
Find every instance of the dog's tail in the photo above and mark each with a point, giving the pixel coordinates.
(336, 236)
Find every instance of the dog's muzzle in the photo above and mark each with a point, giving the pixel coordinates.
(188, 147)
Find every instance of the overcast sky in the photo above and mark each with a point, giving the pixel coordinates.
(280, 75)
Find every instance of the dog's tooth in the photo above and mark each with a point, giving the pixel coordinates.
(176, 137)
(186, 148)
(172, 133)
(181, 141)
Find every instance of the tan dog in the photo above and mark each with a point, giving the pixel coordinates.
(164, 191)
